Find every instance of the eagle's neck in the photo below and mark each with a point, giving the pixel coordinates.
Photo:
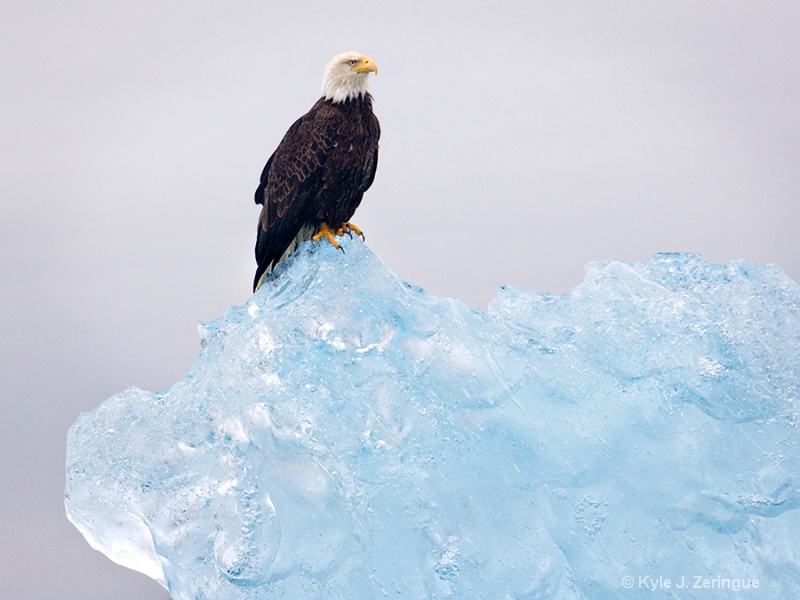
(359, 105)
(338, 86)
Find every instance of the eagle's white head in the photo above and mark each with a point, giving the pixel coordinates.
(346, 76)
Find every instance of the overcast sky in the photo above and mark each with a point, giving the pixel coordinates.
(520, 141)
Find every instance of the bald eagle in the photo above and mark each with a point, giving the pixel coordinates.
(315, 179)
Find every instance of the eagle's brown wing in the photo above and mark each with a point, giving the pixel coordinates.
(290, 182)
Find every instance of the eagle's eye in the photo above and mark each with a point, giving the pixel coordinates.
(352, 62)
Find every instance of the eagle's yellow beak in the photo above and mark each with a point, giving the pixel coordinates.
(366, 65)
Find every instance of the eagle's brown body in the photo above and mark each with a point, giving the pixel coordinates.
(317, 175)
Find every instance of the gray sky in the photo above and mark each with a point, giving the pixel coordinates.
(520, 141)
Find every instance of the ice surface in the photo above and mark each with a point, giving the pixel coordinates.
(346, 435)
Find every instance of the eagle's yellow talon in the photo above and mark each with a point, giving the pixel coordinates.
(351, 228)
(326, 232)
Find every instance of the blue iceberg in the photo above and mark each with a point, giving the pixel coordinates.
(347, 435)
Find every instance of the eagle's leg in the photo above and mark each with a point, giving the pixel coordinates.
(350, 229)
(326, 232)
